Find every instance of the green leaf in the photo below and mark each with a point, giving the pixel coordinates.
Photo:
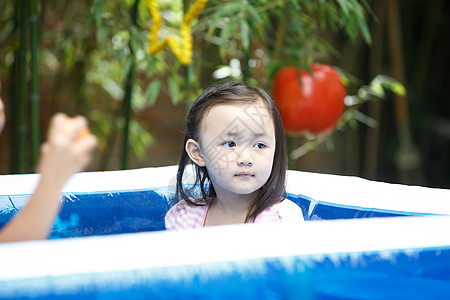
(225, 35)
(344, 75)
(230, 10)
(307, 68)
(388, 83)
(173, 90)
(322, 19)
(140, 139)
(113, 89)
(344, 78)
(329, 144)
(152, 91)
(363, 27)
(377, 89)
(7, 29)
(398, 89)
(255, 17)
(365, 119)
(363, 93)
(231, 29)
(245, 34)
(344, 6)
(98, 20)
(120, 54)
(127, 66)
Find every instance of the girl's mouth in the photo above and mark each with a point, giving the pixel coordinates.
(244, 174)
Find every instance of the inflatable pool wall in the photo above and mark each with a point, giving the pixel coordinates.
(350, 254)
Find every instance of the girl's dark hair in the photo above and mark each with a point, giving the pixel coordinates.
(274, 190)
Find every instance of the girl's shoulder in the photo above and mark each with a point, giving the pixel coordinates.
(285, 211)
(184, 215)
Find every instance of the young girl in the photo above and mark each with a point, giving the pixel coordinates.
(235, 138)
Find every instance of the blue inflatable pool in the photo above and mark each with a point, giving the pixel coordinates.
(109, 242)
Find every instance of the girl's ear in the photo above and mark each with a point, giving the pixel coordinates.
(193, 150)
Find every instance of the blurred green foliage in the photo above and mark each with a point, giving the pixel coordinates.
(98, 45)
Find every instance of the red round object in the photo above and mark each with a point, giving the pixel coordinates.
(313, 104)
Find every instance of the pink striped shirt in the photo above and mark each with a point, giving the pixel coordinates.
(185, 216)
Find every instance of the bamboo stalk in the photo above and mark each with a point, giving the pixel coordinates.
(407, 157)
(352, 151)
(189, 69)
(290, 140)
(34, 93)
(13, 95)
(20, 107)
(279, 38)
(374, 107)
(128, 94)
(127, 117)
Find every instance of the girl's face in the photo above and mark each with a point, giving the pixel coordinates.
(237, 146)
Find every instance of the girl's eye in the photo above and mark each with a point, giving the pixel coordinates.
(259, 145)
(230, 144)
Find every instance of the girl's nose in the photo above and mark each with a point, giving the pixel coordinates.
(244, 159)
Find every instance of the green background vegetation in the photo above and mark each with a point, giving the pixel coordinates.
(90, 58)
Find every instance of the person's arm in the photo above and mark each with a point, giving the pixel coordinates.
(64, 153)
